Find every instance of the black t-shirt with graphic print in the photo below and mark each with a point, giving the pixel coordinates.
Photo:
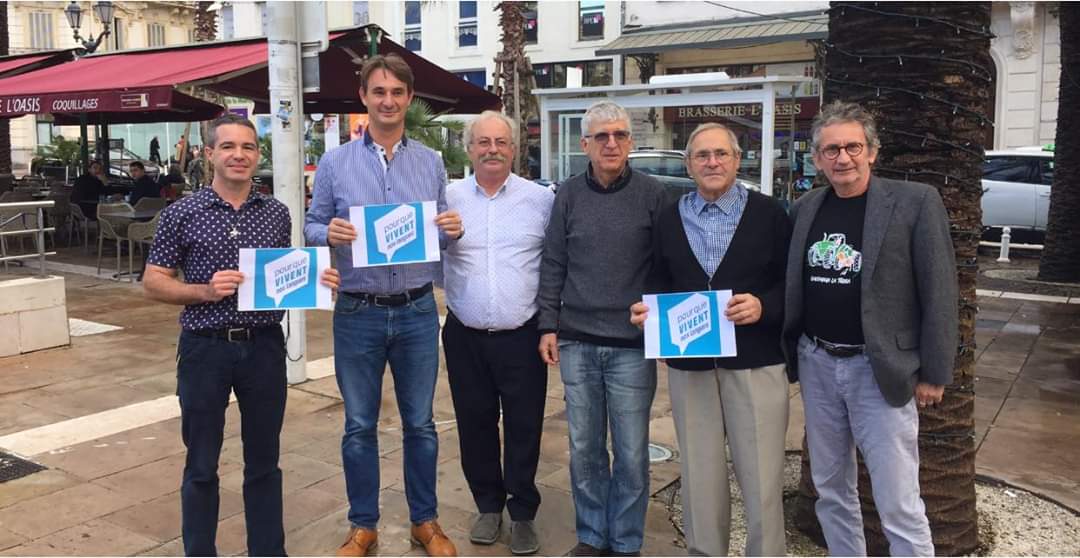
(832, 274)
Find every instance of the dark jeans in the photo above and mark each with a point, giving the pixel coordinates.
(486, 372)
(207, 369)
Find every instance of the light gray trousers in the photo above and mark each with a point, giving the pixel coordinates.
(844, 409)
(750, 409)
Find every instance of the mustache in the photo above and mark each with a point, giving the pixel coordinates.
(495, 157)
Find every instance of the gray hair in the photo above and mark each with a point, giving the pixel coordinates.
(841, 112)
(603, 111)
(488, 115)
(734, 141)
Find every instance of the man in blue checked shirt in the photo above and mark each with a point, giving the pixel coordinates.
(384, 313)
(491, 334)
(724, 236)
(221, 349)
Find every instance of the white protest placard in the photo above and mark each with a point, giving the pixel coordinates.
(283, 278)
(689, 325)
(394, 234)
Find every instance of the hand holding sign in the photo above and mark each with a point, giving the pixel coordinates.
(223, 284)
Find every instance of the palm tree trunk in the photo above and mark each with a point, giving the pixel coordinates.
(514, 73)
(1060, 259)
(924, 70)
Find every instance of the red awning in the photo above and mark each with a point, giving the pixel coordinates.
(20, 63)
(126, 83)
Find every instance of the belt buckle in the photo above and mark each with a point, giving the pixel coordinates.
(238, 330)
(375, 300)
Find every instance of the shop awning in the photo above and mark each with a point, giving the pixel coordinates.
(152, 84)
(20, 63)
(727, 34)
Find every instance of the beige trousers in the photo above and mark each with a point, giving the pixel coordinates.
(749, 410)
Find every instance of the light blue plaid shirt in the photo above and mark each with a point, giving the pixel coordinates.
(358, 174)
(709, 226)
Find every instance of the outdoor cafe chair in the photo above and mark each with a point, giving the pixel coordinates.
(79, 225)
(150, 203)
(139, 234)
(112, 227)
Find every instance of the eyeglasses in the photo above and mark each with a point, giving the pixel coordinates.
(833, 151)
(621, 136)
(485, 143)
(702, 157)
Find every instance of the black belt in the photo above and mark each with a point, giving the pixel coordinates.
(838, 350)
(391, 300)
(236, 334)
(533, 321)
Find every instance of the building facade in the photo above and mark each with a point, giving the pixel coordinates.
(42, 26)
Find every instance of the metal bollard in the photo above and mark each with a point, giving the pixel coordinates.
(1006, 235)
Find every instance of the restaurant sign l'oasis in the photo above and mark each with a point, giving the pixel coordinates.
(802, 109)
(11, 105)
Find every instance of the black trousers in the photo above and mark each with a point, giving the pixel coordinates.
(489, 371)
(207, 370)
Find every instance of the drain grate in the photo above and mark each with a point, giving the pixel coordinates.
(12, 467)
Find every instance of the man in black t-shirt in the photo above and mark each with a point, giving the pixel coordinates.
(144, 186)
(870, 331)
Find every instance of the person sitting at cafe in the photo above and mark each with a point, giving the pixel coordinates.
(144, 186)
(88, 189)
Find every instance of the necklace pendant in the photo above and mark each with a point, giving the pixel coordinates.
(234, 233)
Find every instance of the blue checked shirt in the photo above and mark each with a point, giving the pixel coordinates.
(358, 173)
(493, 273)
(709, 226)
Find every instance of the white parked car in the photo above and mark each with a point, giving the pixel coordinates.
(1016, 189)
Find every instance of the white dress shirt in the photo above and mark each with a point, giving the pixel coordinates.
(492, 273)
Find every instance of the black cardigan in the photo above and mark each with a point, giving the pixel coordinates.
(755, 263)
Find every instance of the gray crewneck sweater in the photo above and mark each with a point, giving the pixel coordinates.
(597, 254)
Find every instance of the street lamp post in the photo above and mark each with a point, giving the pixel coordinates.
(103, 9)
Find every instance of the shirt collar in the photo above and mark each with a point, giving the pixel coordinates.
(622, 180)
(370, 142)
(208, 197)
(725, 204)
(480, 189)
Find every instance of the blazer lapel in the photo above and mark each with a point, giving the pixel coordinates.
(879, 206)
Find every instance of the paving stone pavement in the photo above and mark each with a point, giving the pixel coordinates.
(119, 494)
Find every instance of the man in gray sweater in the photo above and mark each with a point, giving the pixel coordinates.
(597, 254)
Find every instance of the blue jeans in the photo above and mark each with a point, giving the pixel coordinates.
(365, 338)
(207, 369)
(844, 410)
(608, 386)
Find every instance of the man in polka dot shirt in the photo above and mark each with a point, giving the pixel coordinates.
(388, 313)
(220, 349)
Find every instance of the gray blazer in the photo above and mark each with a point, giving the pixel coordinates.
(909, 287)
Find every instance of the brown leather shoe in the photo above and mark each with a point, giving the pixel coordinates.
(429, 535)
(361, 542)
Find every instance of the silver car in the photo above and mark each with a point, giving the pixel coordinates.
(1016, 189)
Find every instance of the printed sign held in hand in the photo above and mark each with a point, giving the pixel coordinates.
(283, 278)
(394, 234)
(286, 274)
(688, 325)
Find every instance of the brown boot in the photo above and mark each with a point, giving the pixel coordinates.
(429, 535)
(361, 542)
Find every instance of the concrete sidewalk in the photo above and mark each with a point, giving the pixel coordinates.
(101, 416)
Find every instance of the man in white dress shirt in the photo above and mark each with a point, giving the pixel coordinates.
(492, 276)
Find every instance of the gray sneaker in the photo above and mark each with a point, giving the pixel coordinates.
(523, 539)
(486, 528)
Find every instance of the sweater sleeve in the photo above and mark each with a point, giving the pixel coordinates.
(553, 264)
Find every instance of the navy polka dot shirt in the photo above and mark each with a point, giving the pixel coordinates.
(202, 234)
